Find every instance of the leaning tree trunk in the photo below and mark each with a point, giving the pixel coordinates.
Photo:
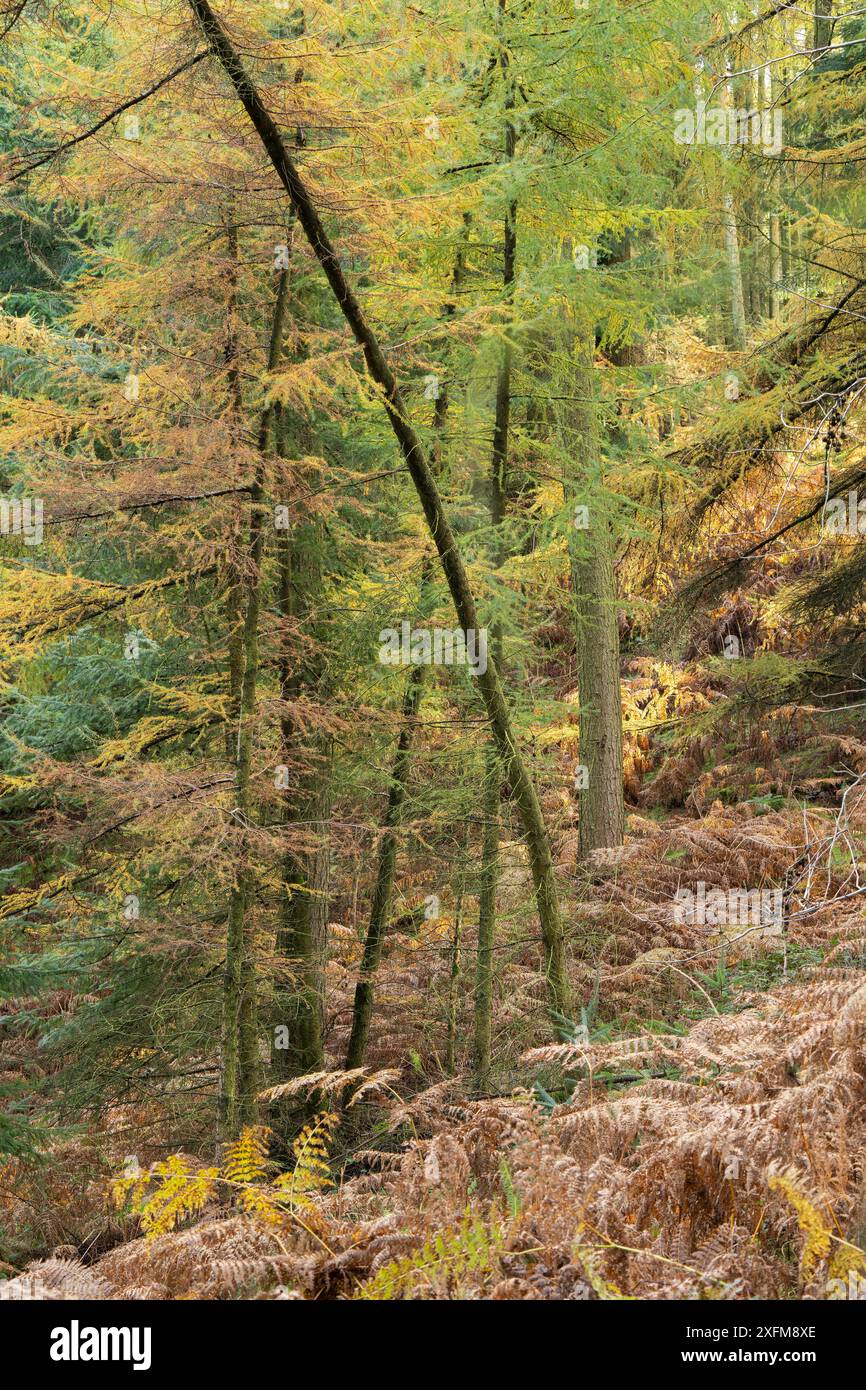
(381, 373)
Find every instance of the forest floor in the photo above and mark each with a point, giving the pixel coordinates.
(701, 1136)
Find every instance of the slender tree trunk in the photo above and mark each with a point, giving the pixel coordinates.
(775, 239)
(483, 1031)
(599, 781)
(454, 964)
(753, 285)
(774, 223)
(600, 800)
(362, 1011)
(239, 1032)
(786, 250)
(483, 1020)
(735, 275)
(235, 596)
(732, 252)
(301, 933)
(523, 789)
(599, 778)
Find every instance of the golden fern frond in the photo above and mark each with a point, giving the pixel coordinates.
(444, 1261)
(311, 1172)
(590, 1259)
(246, 1160)
(816, 1246)
(260, 1202)
(131, 1186)
(181, 1193)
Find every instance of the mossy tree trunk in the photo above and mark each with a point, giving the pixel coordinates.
(483, 1023)
(235, 592)
(239, 1052)
(600, 800)
(362, 1010)
(302, 927)
(454, 961)
(599, 778)
(824, 22)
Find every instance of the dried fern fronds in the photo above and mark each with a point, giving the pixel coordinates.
(359, 1080)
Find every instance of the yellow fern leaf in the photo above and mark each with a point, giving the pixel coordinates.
(246, 1159)
(180, 1193)
(818, 1235)
(445, 1261)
